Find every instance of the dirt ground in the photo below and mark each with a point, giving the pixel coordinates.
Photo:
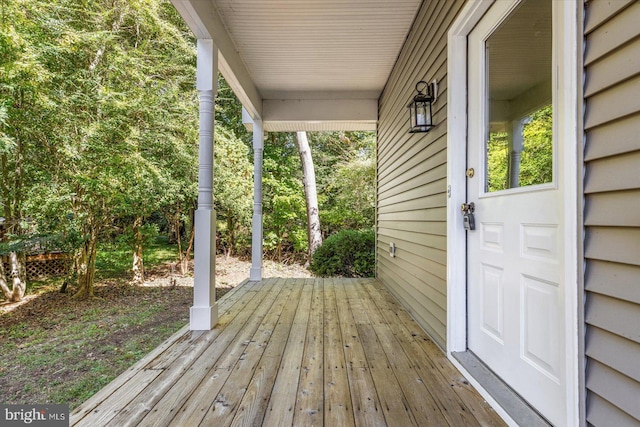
(55, 349)
(230, 272)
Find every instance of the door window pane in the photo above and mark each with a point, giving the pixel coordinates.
(519, 145)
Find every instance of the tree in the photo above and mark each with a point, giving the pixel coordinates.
(284, 215)
(348, 186)
(102, 112)
(232, 186)
(350, 196)
(25, 114)
(310, 193)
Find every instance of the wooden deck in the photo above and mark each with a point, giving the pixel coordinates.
(303, 352)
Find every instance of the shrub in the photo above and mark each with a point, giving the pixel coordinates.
(348, 253)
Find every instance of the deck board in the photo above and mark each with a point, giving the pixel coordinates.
(364, 398)
(310, 402)
(304, 352)
(337, 396)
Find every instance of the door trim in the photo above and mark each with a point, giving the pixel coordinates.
(566, 73)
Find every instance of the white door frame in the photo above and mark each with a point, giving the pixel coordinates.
(566, 75)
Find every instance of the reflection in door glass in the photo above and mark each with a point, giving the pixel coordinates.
(534, 162)
(519, 147)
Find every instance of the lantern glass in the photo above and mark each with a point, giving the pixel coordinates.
(420, 112)
(423, 114)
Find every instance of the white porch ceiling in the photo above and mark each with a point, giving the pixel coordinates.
(314, 51)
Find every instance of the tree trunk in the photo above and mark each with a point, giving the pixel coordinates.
(138, 260)
(87, 266)
(231, 232)
(310, 193)
(69, 278)
(12, 202)
(184, 258)
(4, 285)
(17, 275)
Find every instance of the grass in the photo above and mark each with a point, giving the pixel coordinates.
(55, 349)
(66, 350)
(113, 259)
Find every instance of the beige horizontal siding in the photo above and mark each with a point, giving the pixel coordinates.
(615, 244)
(620, 65)
(614, 387)
(615, 31)
(411, 182)
(600, 11)
(614, 315)
(615, 103)
(613, 173)
(603, 413)
(613, 138)
(419, 160)
(614, 208)
(434, 214)
(437, 228)
(625, 361)
(611, 217)
(614, 279)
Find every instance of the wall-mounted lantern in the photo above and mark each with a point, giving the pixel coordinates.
(420, 115)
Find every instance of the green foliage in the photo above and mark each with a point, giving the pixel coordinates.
(498, 161)
(536, 164)
(232, 187)
(98, 118)
(148, 232)
(349, 201)
(284, 212)
(348, 253)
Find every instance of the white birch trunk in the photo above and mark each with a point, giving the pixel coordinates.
(310, 193)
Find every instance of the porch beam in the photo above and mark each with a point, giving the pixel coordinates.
(255, 274)
(320, 110)
(204, 313)
(203, 19)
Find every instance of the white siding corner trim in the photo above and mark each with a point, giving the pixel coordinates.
(566, 66)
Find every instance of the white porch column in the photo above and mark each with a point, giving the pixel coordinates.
(255, 274)
(516, 143)
(204, 313)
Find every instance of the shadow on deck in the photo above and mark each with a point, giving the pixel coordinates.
(333, 352)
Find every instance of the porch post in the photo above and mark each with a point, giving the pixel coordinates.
(204, 313)
(516, 143)
(255, 274)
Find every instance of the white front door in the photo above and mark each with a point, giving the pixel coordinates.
(515, 288)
